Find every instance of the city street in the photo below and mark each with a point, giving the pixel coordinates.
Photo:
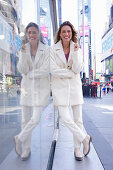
(98, 122)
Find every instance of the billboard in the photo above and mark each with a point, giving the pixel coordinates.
(86, 29)
(44, 31)
(6, 36)
(107, 44)
(10, 44)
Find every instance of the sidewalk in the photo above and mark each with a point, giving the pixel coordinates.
(98, 121)
(41, 143)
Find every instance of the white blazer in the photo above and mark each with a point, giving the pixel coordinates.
(65, 83)
(35, 85)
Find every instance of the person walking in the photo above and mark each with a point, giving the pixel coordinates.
(35, 86)
(65, 67)
(108, 87)
(104, 89)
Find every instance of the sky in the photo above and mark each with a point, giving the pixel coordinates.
(28, 12)
(99, 17)
(69, 12)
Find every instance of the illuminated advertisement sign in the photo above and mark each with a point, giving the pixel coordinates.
(86, 29)
(107, 44)
(10, 44)
(109, 65)
(44, 31)
(6, 36)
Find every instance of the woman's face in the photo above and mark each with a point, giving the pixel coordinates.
(66, 33)
(32, 35)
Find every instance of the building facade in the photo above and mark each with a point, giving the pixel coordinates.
(107, 54)
(9, 40)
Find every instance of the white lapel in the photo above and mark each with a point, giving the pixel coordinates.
(71, 50)
(29, 55)
(39, 52)
(60, 51)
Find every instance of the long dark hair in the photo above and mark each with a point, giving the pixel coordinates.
(74, 32)
(32, 24)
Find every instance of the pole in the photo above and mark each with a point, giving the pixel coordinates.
(100, 90)
(83, 8)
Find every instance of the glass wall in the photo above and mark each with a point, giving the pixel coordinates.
(25, 77)
(9, 98)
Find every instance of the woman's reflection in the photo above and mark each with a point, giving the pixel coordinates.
(35, 87)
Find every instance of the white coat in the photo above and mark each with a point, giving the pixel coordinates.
(65, 83)
(35, 85)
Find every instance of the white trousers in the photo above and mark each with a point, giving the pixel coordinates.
(76, 125)
(29, 123)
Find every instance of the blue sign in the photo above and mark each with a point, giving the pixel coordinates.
(107, 44)
(86, 9)
(8, 38)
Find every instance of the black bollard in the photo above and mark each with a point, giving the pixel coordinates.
(100, 91)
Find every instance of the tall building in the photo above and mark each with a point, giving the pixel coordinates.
(60, 11)
(42, 10)
(86, 21)
(48, 16)
(9, 40)
(107, 54)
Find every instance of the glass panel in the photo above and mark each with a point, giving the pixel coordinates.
(47, 120)
(25, 79)
(9, 81)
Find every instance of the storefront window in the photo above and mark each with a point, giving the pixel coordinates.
(109, 66)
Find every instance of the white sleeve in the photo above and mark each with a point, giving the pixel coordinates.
(77, 65)
(23, 66)
(55, 70)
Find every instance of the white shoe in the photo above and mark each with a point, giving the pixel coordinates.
(78, 154)
(18, 145)
(86, 145)
(26, 154)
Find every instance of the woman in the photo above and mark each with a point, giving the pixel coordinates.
(35, 87)
(65, 66)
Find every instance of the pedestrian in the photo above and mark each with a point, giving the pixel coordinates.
(104, 89)
(35, 86)
(65, 67)
(108, 86)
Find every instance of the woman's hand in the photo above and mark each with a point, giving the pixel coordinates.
(111, 49)
(76, 47)
(23, 48)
